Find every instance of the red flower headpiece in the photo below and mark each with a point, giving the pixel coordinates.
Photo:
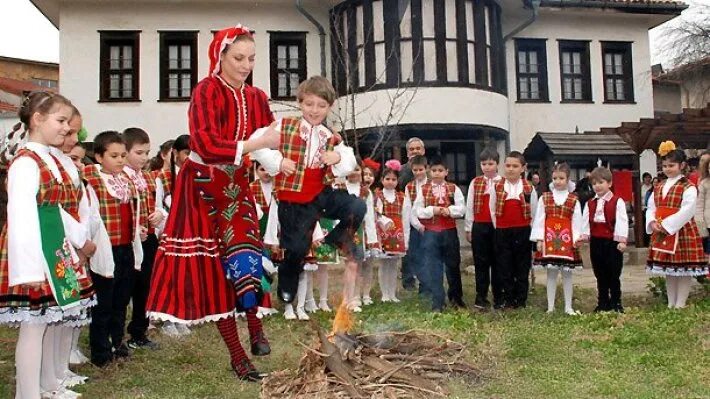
(394, 165)
(371, 163)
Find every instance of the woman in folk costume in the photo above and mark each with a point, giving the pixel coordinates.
(389, 204)
(209, 258)
(43, 282)
(556, 230)
(676, 247)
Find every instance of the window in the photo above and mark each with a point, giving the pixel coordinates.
(118, 70)
(288, 63)
(618, 74)
(574, 71)
(178, 65)
(53, 84)
(531, 69)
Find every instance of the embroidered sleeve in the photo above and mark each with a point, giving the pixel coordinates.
(538, 226)
(205, 123)
(672, 224)
(650, 213)
(458, 209)
(370, 229)
(621, 228)
(700, 208)
(468, 225)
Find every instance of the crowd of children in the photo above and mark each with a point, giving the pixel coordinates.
(88, 236)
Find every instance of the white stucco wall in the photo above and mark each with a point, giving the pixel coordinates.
(79, 53)
(528, 118)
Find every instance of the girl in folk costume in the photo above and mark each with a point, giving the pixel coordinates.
(365, 237)
(676, 248)
(388, 206)
(160, 167)
(556, 230)
(702, 210)
(263, 190)
(67, 335)
(209, 259)
(43, 282)
(369, 172)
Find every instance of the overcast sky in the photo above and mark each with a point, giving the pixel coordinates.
(28, 34)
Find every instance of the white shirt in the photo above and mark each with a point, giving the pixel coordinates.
(538, 227)
(514, 190)
(672, 224)
(267, 190)
(457, 209)
(26, 262)
(490, 186)
(621, 226)
(316, 138)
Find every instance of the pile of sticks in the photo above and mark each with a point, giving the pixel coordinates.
(409, 364)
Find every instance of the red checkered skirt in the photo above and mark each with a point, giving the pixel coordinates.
(566, 211)
(189, 284)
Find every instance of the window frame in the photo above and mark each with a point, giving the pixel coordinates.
(287, 38)
(573, 46)
(540, 47)
(169, 38)
(107, 39)
(627, 75)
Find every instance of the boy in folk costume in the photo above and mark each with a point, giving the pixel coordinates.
(480, 231)
(44, 286)
(263, 190)
(412, 227)
(152, 216)
(308, 159)
(512, 204)
(437, 208)
(606, 226)
(119, 207)
(676, 247)
(556, 231)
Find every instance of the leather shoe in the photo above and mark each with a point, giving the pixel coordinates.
(260, 345)
(285, 296)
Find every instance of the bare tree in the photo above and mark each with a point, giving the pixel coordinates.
(687, 40)
(353, 105)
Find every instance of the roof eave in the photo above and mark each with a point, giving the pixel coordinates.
(48, 8)
(639, 8)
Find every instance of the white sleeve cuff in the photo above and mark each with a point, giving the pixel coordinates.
(240, 153)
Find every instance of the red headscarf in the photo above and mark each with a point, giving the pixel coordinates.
(221, 40)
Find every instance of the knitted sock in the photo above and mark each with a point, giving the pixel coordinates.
(567, 289)
(551, 288)
(683, 291)
(28, 360)
(256, 329)
(672, 290)
(392, 280)
(228, 330)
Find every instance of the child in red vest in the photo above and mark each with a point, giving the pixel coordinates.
(388, 205)
(437, 208)
(606, 225)
(365, 274)
(413, 229)
(263, 191)
(676, 250)
(119, 209)
(309, 157)
(480, 231)
(512, 203)
(556, 230)
(152, 216)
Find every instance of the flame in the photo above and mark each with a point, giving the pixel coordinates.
(344, 320)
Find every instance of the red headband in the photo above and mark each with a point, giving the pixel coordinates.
(370, 163)
(221, 40)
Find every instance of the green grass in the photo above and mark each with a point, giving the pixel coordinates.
(649, 352)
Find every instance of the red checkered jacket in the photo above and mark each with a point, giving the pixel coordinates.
(431, 200)
(259, 197)
(391, 209)
(294, 148)
(109, 206)
(479, 190)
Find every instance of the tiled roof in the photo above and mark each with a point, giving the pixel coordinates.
(577, 144)
(18, 87)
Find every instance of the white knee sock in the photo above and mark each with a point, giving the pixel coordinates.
(309, 287)
(551, 288)
(393, 267)
(322, 276)
(567, 288)
(49, 381)
(672, 290)
(28, 360)
(62, 350)
(302, 290)
(683, 291)
(383, 279)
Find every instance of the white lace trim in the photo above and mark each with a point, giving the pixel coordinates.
(679, 271)
(191, 246)
(166, 238)
(168, 317)
(50, 315)
(538, 266)
(190, 254)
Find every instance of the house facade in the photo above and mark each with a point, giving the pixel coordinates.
(461, 74)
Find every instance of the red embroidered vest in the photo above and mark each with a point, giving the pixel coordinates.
(438, 223)
(110, 207)
(391, 209)
(513, 213)
(606, 229)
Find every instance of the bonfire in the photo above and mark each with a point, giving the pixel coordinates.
(406, 364)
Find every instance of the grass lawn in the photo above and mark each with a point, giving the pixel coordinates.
(649, 352)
